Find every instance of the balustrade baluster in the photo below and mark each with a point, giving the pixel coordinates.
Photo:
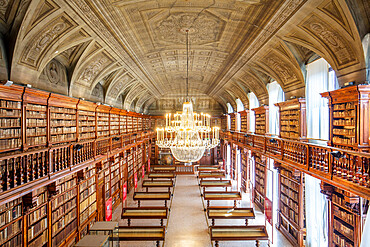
(17, 167)
(9, 174)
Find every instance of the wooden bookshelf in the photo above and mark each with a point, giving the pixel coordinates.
(224, 122)
(36, 117)
(10, 118)
(129, 124)
(37, 217)
(244, 121)
(244, 171)
(262, 120)
(349, 117)
(345, 220)
(122, 119)
(291, 217)
(64, 210)
(86, 120)
(114, 121)
(11, 223)
(233, 121)
(63, 119)
(115, 179)
(87, 194)
(292, 120)
(260, 181)
(130, 169)
(102, 121)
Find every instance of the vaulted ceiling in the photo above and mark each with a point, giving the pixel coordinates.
(132, 54)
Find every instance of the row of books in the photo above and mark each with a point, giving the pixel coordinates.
(10, 122)
(62, 209)
(10, 211)
(62, 110)
(9, 113)
(290, 213)
(10, 104)
(37, 215)
(10, 231)
(344, 106)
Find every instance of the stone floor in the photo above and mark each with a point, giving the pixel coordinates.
(187, 224)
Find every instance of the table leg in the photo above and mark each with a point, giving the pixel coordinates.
(207, 203)
(204, 190)
(246, 222)
(128, 222)
(165, 203)
(213, 222)
(257, 243)
(234, 203)
(138, 204)
(226, 189)
(161, 222)
(147, 189)
(169, 189)
(157, 244)
(216, 244)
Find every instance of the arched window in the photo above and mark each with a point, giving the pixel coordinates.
(276, 95)
(229, 110)
(320, 78)
(253, 103)
(239, 107)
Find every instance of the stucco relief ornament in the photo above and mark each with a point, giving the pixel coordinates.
(92, 70)
(282, 70)
(53, 73)
(203, 28)
(45, 40)
(332, 40)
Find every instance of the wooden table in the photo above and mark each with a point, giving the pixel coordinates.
(144, 213)
(231, 195)
(162, 175)
(141, 233)
(214, 174)
(158, 184)
(161, 168)
(215, 183)
(239, 233)
(152, 196)
(230, 213)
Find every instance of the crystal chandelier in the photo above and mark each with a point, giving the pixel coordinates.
(187, 133)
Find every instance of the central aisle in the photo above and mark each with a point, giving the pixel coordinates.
(187, 225)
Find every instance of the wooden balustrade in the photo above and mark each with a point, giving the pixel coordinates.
(343, 168)
(22, 168)
(60, 158)
(19, 169)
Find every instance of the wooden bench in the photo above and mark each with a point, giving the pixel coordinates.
(162, 168)
(213, 174)
(161, 175)
(141, 233)
(208, 168)
(144, 213)
(230, 213)
(215, 183)
(152, 196)
(239, 233)
(158, 184)
(220, 195)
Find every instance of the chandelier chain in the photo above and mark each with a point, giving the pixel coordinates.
(187, 65)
